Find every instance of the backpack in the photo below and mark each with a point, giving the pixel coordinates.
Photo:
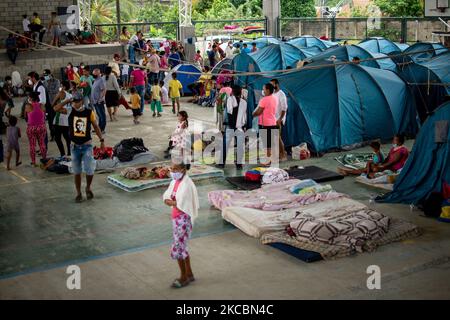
(126, 149)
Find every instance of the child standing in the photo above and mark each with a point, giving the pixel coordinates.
(175, 89)
(124, 74)
(179, 136)
(164, 93)
(156, 99)
(135, 104)
(13, 135)
(182, 196)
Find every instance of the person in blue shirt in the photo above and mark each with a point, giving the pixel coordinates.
(246, 49)
(174, 58)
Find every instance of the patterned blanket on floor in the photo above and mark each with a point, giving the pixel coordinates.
(271, 197)
(197, 172)
(398, 230)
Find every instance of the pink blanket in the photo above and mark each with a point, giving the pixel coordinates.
(272, 197)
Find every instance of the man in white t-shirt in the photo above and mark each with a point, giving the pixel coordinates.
(281, 113)
(229, 50)
(25, 23)
(282, 103)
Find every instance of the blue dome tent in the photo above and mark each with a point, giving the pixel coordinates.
(416, 51)
(347, 53)
(184, 78)
(382, 45)
(428, 165)
(332, 107)
(274, 57)
(427, 81)
(262, 42)
(310, 41)
(224, 64)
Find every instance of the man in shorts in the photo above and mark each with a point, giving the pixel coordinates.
(81, 122)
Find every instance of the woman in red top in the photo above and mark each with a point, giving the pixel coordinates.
(397, 156)
(267, 121)
(70, 73)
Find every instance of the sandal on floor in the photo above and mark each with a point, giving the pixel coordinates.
(177, 284)
(79, 198)
(89, 194)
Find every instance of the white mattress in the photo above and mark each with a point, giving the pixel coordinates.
(256, 223)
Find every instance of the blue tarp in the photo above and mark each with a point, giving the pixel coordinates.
(428, 165)
(347, 53)
(185, 79)
(332, 107)
(310, 41)
(434, 72)
(382, 45)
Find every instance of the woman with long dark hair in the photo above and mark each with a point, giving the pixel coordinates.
(113, 93)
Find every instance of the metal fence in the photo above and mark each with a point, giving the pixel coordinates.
(395, 29)
(109, 32)
(170, 29)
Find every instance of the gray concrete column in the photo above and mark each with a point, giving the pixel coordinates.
(187, 33)
(272, 10)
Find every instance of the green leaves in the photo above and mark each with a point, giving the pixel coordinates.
(401, 8)
(297, 8)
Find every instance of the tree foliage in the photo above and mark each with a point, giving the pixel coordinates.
(401, 8)
(297, 8)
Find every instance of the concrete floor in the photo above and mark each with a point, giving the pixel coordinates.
(121, 241)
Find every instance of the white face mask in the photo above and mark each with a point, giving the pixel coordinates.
(176, 175)
(30, 82)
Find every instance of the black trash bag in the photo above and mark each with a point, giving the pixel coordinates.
(432, 205)
(126, 149)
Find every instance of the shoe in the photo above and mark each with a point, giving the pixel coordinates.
(158, 115)
(154, 114)
(173, 111)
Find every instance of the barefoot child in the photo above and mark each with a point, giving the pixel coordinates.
(179, 136)
(135, 104)
(175, 88)
(377, 159)
(156, 99)
(183, 198)
(13, 135)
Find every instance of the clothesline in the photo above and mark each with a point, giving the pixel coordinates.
(234, 74)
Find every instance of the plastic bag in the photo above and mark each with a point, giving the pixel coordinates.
(301, 152)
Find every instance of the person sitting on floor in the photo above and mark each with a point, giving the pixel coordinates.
(395, 160)
(377, 159)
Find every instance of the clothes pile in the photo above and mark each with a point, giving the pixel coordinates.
(266, 175)
(101, 154)
(57, 165)
(309, 186)
(145, 173)
(126, 149)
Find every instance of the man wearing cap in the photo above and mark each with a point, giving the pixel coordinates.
(81, 122)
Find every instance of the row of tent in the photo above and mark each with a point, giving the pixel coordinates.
(375, 99)
(334, 104)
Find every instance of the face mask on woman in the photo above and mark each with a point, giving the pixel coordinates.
(176, 175)
(394, 145)
(47, 78)
(30, 82)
